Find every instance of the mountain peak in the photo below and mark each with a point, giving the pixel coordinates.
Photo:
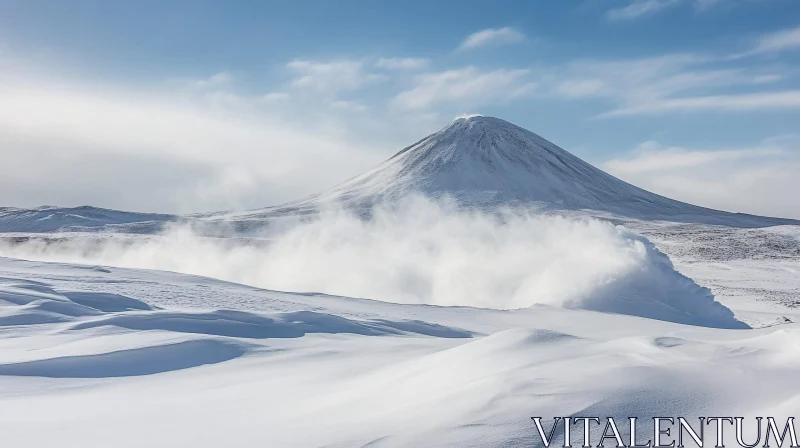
(469, 117)
(481, 125)
(487, 162)
(470, 121)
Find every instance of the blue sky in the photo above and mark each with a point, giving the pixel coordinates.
(186, 106)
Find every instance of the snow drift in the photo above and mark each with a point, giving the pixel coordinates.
(426, 252)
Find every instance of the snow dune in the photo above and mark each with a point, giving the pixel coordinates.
(41, 304)
(28, 304)
(253, 326)
(372, 374)
(132, 362)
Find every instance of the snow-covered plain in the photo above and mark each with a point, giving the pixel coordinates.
(104, 356)
(116, 357)
(755, 272)
(416, 323)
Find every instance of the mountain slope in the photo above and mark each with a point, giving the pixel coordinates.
(83, 218)
(485, 162)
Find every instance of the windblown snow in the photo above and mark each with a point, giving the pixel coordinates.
(478, 278)
(427, 252)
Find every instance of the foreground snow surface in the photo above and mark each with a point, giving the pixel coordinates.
(98, 356)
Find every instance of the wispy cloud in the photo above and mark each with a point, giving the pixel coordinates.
(721, 103)
(215, 81)
(637, 9)
(275, 97)
(760, 179)
(401, 63)
(640, 8)
(491, 36)
(158, 149)
(651, 157)
(581, 88)
(779, 41)
(330, 77)
(640, 78)
(670, 83)
(466, 87)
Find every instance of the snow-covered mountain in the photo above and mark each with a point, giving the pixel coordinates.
(484, 162)
(83, 218)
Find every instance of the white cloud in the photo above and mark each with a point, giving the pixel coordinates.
(331, 77)
(216, 80)
(780, 100)
(637, 79)
(401, 63)
(667, 84)
(275, 97)
(192, 144)
(760, 180)
(779, 41)
(640, 8)
(652, 157)
(349, 105)
(492, 36)
(468, 87)
(766, 79)
(644, 8)
(153, 151)
(578, 88)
